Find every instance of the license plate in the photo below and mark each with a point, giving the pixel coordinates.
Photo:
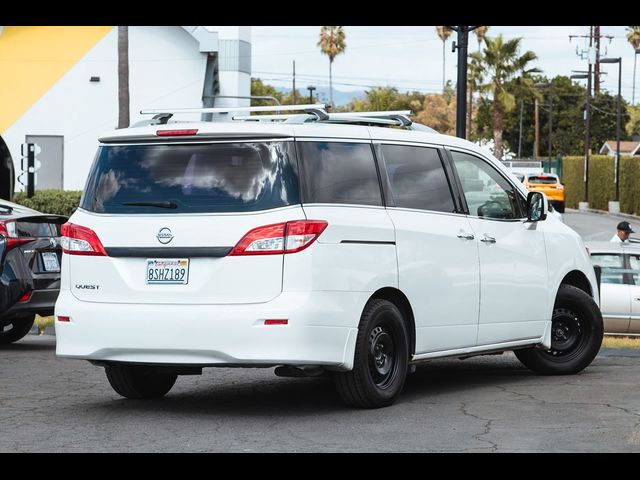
(167, 271)
(50, 260)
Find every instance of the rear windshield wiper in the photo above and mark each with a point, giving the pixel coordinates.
(165, 204)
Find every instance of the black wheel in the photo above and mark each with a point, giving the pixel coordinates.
(138, 381)
(576, 335)
(559, 207)
(15, 329)
(381, 357)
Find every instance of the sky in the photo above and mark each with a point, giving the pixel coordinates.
(410, 58)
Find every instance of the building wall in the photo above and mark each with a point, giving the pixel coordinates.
(166, 71)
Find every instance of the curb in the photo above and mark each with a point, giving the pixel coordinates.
(627, 216)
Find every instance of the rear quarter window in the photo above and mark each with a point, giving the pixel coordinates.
(337, 172)
(195, 178)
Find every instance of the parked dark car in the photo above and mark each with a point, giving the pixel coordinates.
(30, 280)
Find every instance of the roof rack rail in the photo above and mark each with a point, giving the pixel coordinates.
(307, 113)
(226, 110)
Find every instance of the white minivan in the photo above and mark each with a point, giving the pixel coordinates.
(353, 245)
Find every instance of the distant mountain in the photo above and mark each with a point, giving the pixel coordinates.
(322, 95)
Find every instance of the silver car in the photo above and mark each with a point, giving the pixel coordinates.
(620, 285)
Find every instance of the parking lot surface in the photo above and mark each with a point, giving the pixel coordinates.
(482, 404)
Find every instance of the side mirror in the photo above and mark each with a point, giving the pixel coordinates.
(3, 251)
(537, 207)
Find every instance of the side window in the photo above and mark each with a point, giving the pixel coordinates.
(417, 178)
(335, 172)
(612, 267)
(488, 194)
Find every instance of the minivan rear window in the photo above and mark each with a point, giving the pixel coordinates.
(192, 178)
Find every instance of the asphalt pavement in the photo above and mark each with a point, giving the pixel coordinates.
(482, 404)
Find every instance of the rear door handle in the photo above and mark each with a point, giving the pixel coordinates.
(466, 236)
(488, 239)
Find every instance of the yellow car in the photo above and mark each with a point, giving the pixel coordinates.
(550, 185)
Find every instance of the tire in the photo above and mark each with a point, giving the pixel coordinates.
(576, 335)
(133, 381)
(381, 358)
(559, 207)
(19, 328)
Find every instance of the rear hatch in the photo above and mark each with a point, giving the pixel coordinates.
(43, 254)
(168, 214)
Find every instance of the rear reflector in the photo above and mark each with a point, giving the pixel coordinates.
(64, 319)
(78, 240)
(176, 133)
(26, 297)
(286, 237)
(276, 322)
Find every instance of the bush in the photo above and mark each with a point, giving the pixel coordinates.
(58, 202)
(601, 178)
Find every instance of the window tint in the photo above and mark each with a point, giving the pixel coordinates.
(417, 178)
(339, 173)
(223, 177)
(612, 267)
(488, 193)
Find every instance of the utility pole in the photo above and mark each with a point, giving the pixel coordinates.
(596, 71)
(536, 147)
(520, 130)
(294, 83)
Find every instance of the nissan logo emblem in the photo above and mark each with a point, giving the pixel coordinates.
(164, 236)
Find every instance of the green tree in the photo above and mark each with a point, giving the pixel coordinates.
(332, 43)
(444, 33)
(261, 89)
(633, 125)
(500, 63)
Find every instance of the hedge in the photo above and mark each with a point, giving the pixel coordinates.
(58, 202)
(601, 178)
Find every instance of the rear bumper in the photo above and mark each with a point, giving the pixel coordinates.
(321, 330)
(41, 302)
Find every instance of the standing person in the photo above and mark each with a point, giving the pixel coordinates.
(622, 236)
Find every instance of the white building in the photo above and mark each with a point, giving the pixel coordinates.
(59, 87)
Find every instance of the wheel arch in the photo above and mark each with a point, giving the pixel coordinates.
(577, 279)
(401, 301)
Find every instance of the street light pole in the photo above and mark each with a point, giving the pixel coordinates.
(616, 164)
(311, 88)
(461, 106)
(587, 138)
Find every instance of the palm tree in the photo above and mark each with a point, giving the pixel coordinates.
(332, 43)
(481, 33)
(474, 78)
(444, 33)
(634, 39)
(501, 62)
(123, 77)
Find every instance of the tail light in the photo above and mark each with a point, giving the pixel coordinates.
(559, 187)
(77, 240)
(9, 230)
(279, 238)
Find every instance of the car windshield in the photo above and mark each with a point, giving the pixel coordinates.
(192, 178)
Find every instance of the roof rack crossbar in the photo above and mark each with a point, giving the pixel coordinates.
(273, 108)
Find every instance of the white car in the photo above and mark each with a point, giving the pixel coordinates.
(314, 243)
(620, 285)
